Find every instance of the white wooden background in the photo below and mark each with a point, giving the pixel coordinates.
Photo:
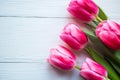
(29, 28)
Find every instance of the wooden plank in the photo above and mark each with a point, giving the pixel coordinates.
(53, 8)
(35, 71)
(24, 47)
(41, 8)
(29, 39)
(111, 7)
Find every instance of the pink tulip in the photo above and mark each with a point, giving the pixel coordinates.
(91, 70)
(85, 10)
(73, 36)
(62, 58)
(109, 33)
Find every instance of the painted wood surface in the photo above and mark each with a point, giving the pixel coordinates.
(29, 28)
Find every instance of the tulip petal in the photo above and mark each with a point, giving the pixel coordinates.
(85, 10)
(73, 36)
(113, 41)
(66, 52)
(85, 66)
(95, 67)
(60, 57)
(90, 75)
(115, 27)
(109, 32)
(70, 41)
(78, 34)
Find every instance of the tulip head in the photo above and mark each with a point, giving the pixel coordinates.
(91, 70)
(62, 58)
(85, 10)
(73, 36)
(109, 33)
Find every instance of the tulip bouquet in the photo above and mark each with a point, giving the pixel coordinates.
(101, 41)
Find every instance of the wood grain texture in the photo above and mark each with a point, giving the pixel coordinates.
(53, 8)
(34, 71)
(25, 44)
(29, 28)
(30, 38)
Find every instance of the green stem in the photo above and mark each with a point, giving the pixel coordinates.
(107, 78)
(99, 19)
(117, 68)
(95, 22)
(77, 67)
(91, 26)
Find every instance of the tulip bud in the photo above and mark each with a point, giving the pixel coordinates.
(62, 58)
(109, 33)
(85, 10)
(91, 70)
(73, 36)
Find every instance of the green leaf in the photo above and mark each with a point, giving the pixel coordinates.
(90, 34)
(102, 15)
(116, 67)
(117, 55)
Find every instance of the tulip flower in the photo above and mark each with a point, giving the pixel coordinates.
(109, 33)
(74, 37)
(62, 58)
(92, 70)
(85, 10)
